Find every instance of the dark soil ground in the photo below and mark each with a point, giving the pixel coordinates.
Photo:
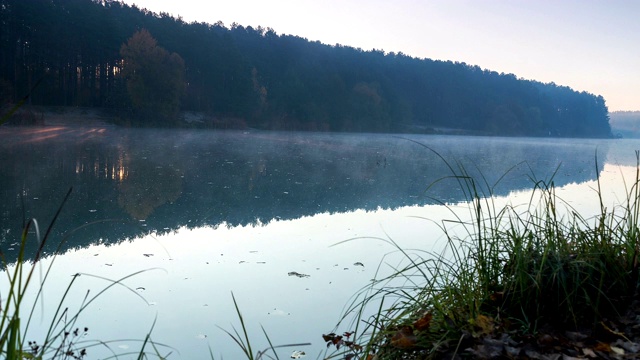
(608, 339)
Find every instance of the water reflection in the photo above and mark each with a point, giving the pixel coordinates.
(196, 269)
(222, 212)
(128, 183)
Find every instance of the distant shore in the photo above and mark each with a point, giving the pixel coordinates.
(88, 116)
(59, 115)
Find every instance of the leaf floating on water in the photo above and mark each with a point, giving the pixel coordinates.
(278, 313)
(293, 273)
(298, 354)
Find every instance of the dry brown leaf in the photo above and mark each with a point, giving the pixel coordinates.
(546, 340)
(423, 323)
(600, 346)
(484, 324)
(497, 296)
(404, 338)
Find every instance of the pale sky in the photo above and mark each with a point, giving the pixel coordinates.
(589, 45)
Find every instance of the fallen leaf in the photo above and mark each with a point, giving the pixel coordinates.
(567, 357)
(512, 352)
(617, 350)
(600, 346)
(484, 324)
(497, 296)
(328, 337)
(404, 338)
(297, 274)
(423, 323)
(631, 347)
(588, 352)
(575, 336)
(533, 354)
(486, 352)
(546, 340)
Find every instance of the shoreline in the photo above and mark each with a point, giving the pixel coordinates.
(60, 116)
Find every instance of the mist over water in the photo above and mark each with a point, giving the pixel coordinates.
(240, 211)
(159, 180)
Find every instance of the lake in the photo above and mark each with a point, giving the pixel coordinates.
(293, 224)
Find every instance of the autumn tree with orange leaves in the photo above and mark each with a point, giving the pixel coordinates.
(155, 79)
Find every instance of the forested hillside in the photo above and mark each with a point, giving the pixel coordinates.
(148, 68)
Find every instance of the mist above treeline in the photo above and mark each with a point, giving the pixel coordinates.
(625, 123)
(149, 69)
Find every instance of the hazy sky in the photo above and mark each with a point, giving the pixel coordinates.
(590, 45)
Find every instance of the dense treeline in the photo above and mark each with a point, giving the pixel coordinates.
(244, 76)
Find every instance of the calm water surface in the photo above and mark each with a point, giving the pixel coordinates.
(204, 214)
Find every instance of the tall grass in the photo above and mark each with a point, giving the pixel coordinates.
(511, 269)
(63, 338)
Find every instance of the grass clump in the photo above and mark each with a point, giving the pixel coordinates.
(244, 341)
(511, 278)
(64, 338)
